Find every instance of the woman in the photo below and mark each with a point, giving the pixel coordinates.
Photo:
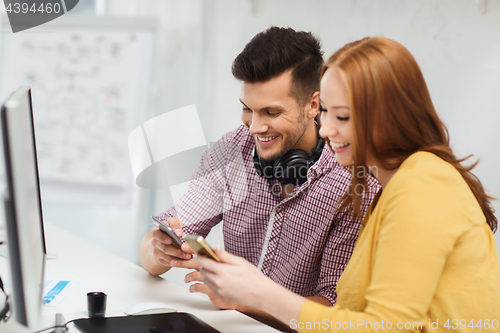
(426, 259)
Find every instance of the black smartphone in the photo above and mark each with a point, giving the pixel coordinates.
(176, 241)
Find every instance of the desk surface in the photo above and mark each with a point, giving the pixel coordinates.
(125, 284)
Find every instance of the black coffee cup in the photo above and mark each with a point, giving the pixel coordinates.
(96, 303)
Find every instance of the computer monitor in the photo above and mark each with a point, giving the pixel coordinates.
(23, 210)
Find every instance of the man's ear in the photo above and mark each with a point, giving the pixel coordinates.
(313, 105)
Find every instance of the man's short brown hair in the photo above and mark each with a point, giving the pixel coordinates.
(276, 50)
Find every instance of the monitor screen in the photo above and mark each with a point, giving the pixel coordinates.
(23, 211)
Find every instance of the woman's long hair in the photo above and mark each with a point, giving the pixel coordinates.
(393, 115)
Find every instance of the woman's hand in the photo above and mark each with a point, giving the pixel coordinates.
(201, 287)
(235, 279)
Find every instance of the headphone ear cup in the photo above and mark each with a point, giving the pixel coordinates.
(291, 169)
(263, 168)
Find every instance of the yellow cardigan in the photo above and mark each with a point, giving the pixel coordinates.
(425, 261)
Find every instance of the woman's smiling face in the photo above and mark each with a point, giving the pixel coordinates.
(335, 109)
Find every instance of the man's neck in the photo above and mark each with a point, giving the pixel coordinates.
(307, 142)
(286, 190)
(309, 139)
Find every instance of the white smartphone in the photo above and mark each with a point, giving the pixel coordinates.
(176, 241)
(200, 245)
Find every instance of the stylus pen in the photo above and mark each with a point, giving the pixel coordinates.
(160, 330)
(60, 326)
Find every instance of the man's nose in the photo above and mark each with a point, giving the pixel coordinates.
(258, 125)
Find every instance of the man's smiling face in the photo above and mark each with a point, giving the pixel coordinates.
(275, 119)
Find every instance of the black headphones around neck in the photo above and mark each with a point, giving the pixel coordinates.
(291, 168)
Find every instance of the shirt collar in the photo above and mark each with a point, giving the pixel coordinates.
(325, 163)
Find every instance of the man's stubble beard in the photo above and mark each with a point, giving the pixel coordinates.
(291, 141)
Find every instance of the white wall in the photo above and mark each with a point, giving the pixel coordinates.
(117, 220)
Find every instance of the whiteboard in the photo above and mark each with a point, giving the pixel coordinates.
(89, 78)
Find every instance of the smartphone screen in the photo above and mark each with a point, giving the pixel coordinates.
(176, 241)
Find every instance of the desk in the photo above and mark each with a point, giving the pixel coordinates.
(125, 284)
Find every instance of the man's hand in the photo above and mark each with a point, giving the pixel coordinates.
(157, 252)
(216, 300)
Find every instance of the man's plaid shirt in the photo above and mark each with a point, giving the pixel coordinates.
(300, 242)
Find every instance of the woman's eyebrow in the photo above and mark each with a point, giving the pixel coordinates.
(335, 106)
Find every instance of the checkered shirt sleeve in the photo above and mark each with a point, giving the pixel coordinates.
(203, 205)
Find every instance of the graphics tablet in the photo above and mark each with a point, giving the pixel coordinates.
(155, 323)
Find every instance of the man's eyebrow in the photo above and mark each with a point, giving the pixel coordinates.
(274, 107)
(270, 107)
(244, 104)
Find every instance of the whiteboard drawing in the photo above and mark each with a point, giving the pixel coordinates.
(88, 86)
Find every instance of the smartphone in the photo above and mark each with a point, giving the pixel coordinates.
(200, 245)
(176, 241)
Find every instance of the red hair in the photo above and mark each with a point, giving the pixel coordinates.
(392, 114)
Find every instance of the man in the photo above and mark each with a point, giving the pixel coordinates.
(289, 227)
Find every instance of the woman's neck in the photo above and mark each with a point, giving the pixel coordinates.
(382, 175)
